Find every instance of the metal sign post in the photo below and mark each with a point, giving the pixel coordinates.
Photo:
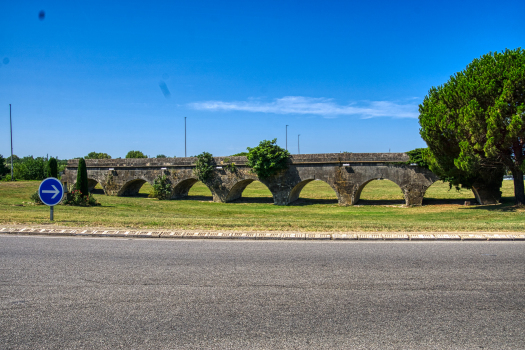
(51, 192)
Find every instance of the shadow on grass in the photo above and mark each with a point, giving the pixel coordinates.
(507, 205)
(381, 202)
(251, 200)
(438, 201)
(310, 201)
(97, 191)
(197, 198)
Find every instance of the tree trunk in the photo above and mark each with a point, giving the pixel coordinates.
(519, 189)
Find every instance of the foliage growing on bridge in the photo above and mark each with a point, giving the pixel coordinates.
(476, 120)
(161, 188)
(52, 168)
(135, 154)
(267, 158)
(204, 166)
(96, 155)
(230, 166)
(82, 178)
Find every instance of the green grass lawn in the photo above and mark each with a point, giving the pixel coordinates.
(380, 209)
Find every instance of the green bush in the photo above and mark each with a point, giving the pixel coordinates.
(161, 188)
(135, 154)
(29, 168)
(267, 158)
(82, 179)
(35, 198)
(204, 166)
(79, 199)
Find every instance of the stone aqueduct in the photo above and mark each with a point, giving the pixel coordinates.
(346, 173)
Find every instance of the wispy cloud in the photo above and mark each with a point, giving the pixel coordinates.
(319, 106)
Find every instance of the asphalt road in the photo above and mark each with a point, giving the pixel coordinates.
(200, 294)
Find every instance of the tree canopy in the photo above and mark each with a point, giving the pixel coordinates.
(96, 155)
(135, 154)
(476, 120)
(4, 169)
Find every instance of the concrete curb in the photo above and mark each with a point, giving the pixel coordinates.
(360, 236)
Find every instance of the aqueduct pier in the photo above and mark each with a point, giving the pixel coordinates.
(346, 173)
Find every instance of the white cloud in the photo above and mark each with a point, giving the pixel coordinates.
(319, 106)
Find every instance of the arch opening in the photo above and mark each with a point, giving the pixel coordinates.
(132, 188)
(192, 189)
(250, 191)
(313, 191)
(380, 192)
(95, 187)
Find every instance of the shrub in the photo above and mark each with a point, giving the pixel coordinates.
(79, 199)
(52, 168)
(161, 156)
(267, 158)
(204, 166)
(82, 179)
(135, 154)
(35, 198)
(161, 188)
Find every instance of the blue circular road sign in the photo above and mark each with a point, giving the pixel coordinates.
(51, 191)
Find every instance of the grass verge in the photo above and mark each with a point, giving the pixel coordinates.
(381, 209)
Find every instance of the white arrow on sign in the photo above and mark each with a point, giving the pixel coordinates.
(56, 191)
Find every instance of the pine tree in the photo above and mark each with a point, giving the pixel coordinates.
(52, 168)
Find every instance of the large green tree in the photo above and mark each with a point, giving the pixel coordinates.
(475, 122)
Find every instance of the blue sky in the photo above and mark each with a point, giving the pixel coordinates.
(345, 75)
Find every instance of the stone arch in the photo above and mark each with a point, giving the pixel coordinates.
(296, 190)
(181, 189)
(239, 187)
(357, 194)
(131, 188)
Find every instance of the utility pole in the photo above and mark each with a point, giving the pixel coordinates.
(184, 136)
(298, 148)
(11, 128)
(287, 137)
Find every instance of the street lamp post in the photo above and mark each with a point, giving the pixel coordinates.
(11, 129)
(287, 137)
(185, 137)
(298, 147)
